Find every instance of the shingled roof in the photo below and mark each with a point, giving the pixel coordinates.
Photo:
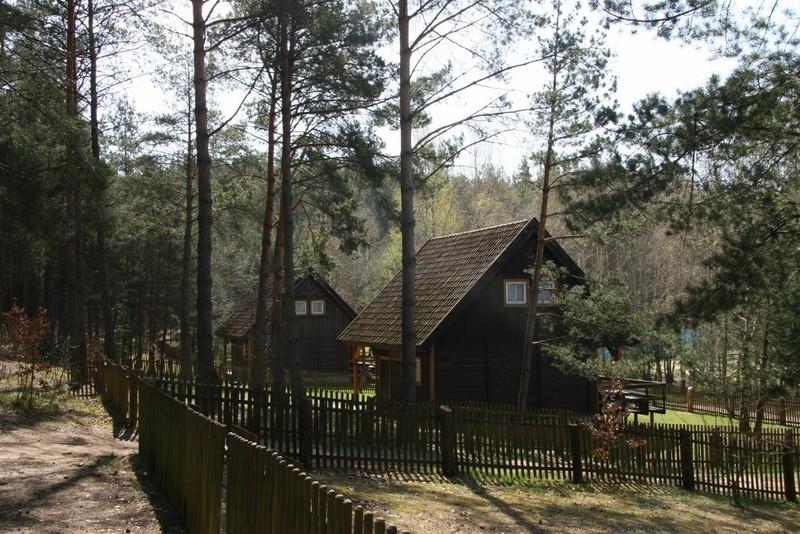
(448, 268)
(243, 318)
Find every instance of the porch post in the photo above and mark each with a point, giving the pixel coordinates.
(432, 374)
(354, 352)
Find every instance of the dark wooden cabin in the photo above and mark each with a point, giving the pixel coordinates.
(470, 321)
(322, 314)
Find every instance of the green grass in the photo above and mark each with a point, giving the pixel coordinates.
(675, 417)
(50, 403)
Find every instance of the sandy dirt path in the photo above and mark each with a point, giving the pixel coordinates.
(70, 474)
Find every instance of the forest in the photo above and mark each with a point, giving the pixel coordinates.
(300, 135)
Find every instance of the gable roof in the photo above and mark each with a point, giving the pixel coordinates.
(241, 321)
(450, 271)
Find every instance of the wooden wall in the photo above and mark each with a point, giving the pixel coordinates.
(316, 335)
(388, 374)
(479, 356)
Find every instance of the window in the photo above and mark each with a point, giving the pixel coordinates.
(547, 291)
(317, 307)
(300, 307)
(516, 292)
(419, 371)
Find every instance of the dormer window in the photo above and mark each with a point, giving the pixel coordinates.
(516, 292)
(317, 307)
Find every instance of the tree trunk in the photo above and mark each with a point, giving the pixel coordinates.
(109, 343)
(532, 324)
(724, 362)
(73, 257)
(186, 267)
(205, 335)
(278, 366)
(289, 344)
(744, 409)
(408, 382)
(260, 329)
(762, 380)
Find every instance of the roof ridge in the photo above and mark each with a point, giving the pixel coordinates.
(482, 229)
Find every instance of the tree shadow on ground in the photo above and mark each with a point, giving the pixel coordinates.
(514, 513)
(16, 513)
(623, 506)
(166, 515)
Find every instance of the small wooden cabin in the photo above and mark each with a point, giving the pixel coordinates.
(321, 313)
(471, 310)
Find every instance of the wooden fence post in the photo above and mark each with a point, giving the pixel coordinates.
(782, 411)
(133, 392)
(690, 399)
(306, 432)
(448, 442)
(575, 450)
(687, 464)
(347, 516)
(369, 523)
(789, 489)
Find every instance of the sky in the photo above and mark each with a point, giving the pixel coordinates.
(643, 63)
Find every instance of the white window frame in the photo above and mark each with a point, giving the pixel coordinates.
(305, 307)
(507, 283)
(550, 285)
(311, 307)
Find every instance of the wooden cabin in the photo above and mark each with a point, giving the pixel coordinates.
(472, 293)
(321, 313)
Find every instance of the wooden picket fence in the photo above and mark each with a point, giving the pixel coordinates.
(184, 451)
(119, 387)
(267, 493)
(339, 431)
(168, 369)
(779, 411)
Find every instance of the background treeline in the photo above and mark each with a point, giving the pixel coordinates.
(683, 213)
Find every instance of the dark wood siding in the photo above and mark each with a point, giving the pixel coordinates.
(316, 334)
(389, 371)
(479, 355)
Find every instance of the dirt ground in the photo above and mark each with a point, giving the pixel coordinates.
(67, 472)
(434, 505)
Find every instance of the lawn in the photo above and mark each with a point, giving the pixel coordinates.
(434, 504)
(675, 417)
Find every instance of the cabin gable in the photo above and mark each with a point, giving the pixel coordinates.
(316, 333)
(317, 345)
(479, 355)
